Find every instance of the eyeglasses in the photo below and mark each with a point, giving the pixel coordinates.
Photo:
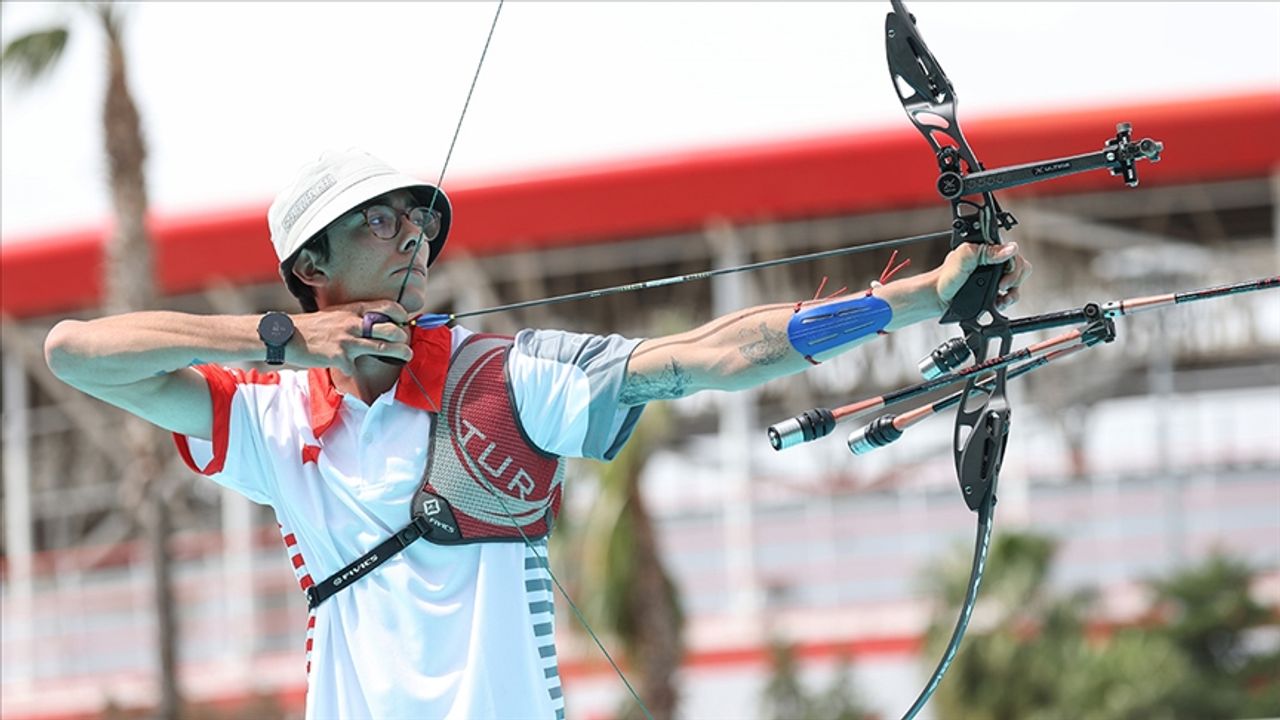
(384, 221)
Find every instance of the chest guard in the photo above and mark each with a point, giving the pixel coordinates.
(484, 480)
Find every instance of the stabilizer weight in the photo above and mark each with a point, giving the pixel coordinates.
(879, 433)
(808, 425)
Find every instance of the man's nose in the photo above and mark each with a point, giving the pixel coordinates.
(410, 234)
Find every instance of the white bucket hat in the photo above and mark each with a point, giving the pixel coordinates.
(333, 185)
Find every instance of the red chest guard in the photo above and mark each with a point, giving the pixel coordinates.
(484, 478)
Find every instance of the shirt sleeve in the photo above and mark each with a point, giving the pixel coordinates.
(239, 455)
(566, 387)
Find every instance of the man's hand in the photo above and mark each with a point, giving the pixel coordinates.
(333, 337)
(961, 262)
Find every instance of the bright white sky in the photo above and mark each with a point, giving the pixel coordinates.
(236, 96)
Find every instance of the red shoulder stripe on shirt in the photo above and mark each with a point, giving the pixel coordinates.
(222, 384)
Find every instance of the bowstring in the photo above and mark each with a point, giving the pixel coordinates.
(542, 559)
(456, 130)
(546, 564)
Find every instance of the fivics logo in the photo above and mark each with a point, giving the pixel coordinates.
(431, 508)
(355, 571)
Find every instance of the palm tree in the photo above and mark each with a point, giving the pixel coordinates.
(1028, 655)
(786, 698)
(130, 285)
(1210, 615)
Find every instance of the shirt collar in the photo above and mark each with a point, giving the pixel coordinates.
(421, 382)
(430, 364)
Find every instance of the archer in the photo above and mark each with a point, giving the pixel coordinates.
(379, 422)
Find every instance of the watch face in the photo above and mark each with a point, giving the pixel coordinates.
(275, 328)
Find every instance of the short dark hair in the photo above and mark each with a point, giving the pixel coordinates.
(306, 295)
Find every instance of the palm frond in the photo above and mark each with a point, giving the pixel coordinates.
(29, 57)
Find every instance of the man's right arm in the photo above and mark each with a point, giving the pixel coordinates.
(144, 362)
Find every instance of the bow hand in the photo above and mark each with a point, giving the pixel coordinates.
(994, 269)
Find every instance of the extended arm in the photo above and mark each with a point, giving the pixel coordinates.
(750, 347)
(142, 362)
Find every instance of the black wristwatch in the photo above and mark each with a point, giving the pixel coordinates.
(275, 329)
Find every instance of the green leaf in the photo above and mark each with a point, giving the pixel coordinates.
(31, 56)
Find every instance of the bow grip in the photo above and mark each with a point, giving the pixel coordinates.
(977, 295)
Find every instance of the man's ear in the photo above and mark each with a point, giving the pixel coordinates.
(309, 269)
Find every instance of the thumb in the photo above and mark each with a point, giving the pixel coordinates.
(995, 254)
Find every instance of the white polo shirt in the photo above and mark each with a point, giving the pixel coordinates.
(462, 631)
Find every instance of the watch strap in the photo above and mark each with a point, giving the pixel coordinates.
(275, 354)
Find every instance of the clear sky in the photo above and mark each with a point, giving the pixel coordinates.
(235, 96)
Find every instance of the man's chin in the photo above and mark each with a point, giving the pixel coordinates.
(414, 303)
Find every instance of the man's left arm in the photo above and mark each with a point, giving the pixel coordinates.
(751, 346)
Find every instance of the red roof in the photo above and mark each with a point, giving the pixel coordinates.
(1205, 139)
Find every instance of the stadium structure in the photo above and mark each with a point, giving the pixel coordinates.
(1140, 456)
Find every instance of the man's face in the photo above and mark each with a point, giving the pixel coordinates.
(363, 266)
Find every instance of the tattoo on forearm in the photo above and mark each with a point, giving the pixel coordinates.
(772, 347)
(672, 382)
(709, 330)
